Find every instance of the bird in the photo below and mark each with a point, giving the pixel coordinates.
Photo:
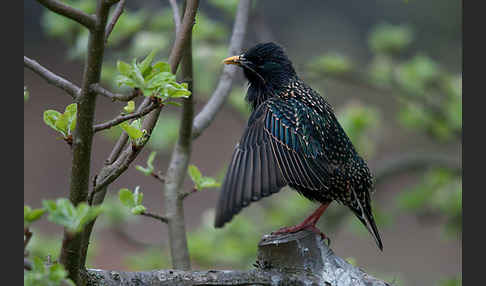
(294, 139)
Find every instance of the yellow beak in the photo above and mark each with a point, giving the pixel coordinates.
(234, 60)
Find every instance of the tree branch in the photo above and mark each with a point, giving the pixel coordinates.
(52, 78)
(155, 216)
(115, 96)
(158, 175)
(123, 139)
(187, 193)
(177, 169)
(121, 118)
(83, 137)
(176, 14)
(67, 11)
(116, 15)
(124, 158)
(293, 259)
(209, 111)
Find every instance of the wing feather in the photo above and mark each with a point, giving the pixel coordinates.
(273, 152)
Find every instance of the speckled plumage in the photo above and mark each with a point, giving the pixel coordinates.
(292, 138)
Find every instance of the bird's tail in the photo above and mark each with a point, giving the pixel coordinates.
(365, 215)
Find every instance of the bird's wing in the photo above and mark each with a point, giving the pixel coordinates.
(276, 149)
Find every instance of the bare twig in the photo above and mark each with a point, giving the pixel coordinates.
(155, 216)
(116, 14)
(158, 175)
(187, 193)
(176, 14)
(183, 35)
(121, 118)
(52, 78)
(115, 96)
(212, 107)
(77, 15)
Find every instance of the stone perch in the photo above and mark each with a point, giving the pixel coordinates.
(300, 258)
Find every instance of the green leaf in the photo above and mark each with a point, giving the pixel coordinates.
(71, 110)
(59, 213)
(145, 65)
(123, 68)
(132, 200)
(138, 209)
(73, 218)
(27, 210)
(130, 107)
(133, 132)
(194, 173)
(57, 272)
(122, 80)
(137, 75)
(176, 92)
(46, 275)
(173, 103)
(70, 113)
(50, 118)
(87, 214)
(31, 215)
(38, 265)
(162, 67)
(62, 124)
(145, 171)
(160, 80)
(208, 182)
(126, 197)
(199, 181)
(150, 160)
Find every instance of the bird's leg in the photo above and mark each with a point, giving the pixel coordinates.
(308, 223)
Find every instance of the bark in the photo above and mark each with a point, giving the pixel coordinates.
(176, 172)
(83, 136)
(290, 259)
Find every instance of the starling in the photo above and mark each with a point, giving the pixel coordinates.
(292, 138)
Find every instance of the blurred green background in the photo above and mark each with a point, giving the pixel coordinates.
(391, 69)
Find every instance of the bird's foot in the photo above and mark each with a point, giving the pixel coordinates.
(299, 227)
(309, 223)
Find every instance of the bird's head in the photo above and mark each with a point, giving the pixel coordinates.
(265, 64)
